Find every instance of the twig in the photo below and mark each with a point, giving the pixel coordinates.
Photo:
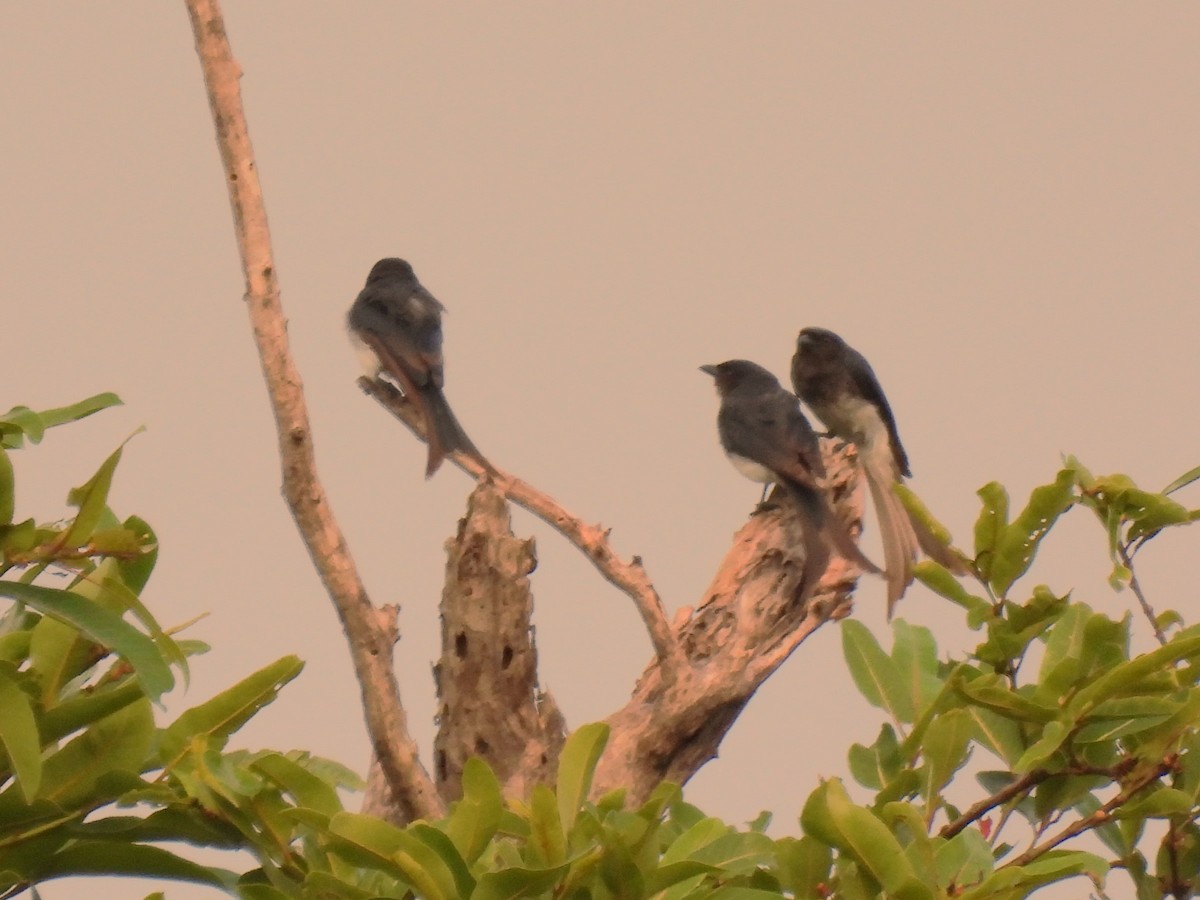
(370, 643)
(1097, 818)
(591, 540)
(1135, 586)
(1026, 782)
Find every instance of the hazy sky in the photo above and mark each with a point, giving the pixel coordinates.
(997, 203)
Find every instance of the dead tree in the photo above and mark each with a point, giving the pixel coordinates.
(707, 663)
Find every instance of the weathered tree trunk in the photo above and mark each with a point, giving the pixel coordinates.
(749, 621)
(489, 701)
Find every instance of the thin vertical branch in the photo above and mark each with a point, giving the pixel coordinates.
(1136, 587)
(370, 632)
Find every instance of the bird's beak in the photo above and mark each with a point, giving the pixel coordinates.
(709, 370)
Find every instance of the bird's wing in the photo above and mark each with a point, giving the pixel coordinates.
(784, 441)
(406, 334)
(870, 390)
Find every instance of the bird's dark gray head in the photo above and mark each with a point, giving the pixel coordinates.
(740, 373)
(391, 269)
(820, 343)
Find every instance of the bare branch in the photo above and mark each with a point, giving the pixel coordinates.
(1099, 817)
(370, 639)
(1136, 587)
(591, 540)
(1015, 788)
(751, 617)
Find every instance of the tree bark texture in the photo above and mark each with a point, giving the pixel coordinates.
(489, 701)
(370, 632)
(748, 622)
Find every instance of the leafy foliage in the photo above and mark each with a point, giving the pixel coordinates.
(1066, 731)
(1098, 740)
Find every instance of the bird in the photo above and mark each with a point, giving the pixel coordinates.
(840, 387)
(767, 438)
(395, 325)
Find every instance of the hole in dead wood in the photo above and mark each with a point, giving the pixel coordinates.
(506, 657)
(441, 765)
(460, 644)
(481, 746)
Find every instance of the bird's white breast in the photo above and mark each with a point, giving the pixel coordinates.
(364, 354)
(751, 469)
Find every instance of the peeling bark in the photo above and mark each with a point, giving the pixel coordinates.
(748, 622)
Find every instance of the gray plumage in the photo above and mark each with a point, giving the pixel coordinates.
(767, 438)
(839, 385)
(396, 326)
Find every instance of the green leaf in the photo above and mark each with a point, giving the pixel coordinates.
(330, 887)
(1053, 736)
(696, 837)
(618, 869)
(737, 852)
(109, 858)
(19, 733)
(1182, 481)
(964, 860)
(915, 654)
(261, 892)
(14, 646)
(372, 843)
(135, 572)
(1160, 803)
(804, 866)
(105, 588)
(103, 627)
(921, 515)
(83, 709)
(513, 883)
(92, 500)
(305, 788)
(874, 672)
(476, 817)
(875, 766)
(576, 765)
(61, 415)
(18, 539)
(1149, 513)
(8, 489)
(991, 524)
(20, 420)
(664, 877)
(1061, 668)
(945, 749)
(943, 583)
(78, 774)
(225, 713)
(991, 692)
(860, 834)
(546, 834)
(998, 734)
(186, 824)
(1127, 676)
(1019, 542)
(446, 853)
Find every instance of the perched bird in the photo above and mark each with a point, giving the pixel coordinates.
(768, 439)
(396, 327)
(838, 384)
